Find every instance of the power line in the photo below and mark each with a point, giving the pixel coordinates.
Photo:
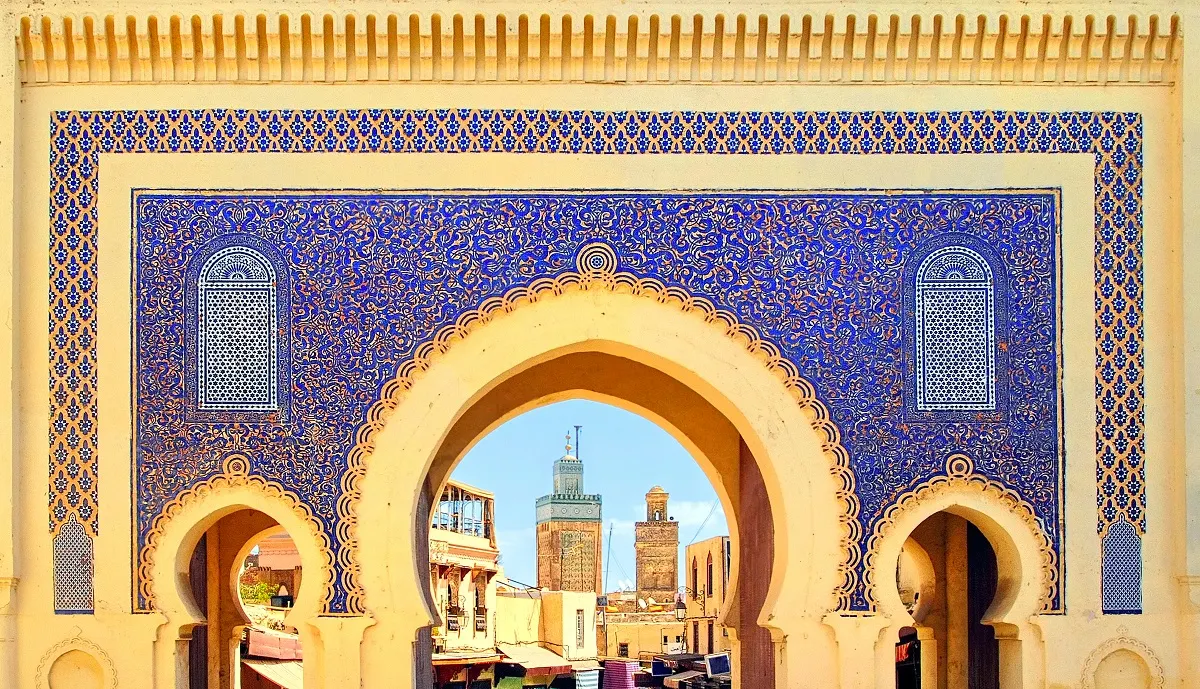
(712, 508)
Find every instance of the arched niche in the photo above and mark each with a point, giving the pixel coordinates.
(1122, 661)
(76, 663)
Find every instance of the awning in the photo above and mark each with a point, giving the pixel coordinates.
(675, 681)
(288, 674)
(466, 658)
(535, 659)
(270, 645)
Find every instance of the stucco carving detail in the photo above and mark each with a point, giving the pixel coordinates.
(784, 45)
(235, 473)
(75, 643)
(1087, 679)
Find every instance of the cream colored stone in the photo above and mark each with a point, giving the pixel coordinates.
(815, 649)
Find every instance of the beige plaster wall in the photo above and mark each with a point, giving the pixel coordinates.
(518, 618)
(642, 637)
(141, 646)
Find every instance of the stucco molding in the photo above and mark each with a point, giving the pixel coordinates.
(1129, 45)
(76, 643)
(235, 473)
(960, 477)
(597, 265)
(1123, 641)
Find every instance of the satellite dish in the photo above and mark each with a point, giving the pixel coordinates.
(641, 604)
(653, 602)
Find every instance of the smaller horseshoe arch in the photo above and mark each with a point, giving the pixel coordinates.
(241, 507)
(983, 526)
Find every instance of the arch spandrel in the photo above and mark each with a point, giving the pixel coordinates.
(338, 448)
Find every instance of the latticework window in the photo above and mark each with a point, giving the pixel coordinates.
(1121, 569)
(73, 568)
(238, 335)
(955, 332)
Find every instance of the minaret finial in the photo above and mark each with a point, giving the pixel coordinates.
(568, 442)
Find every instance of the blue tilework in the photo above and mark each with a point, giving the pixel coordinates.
(820, 276)
(1114, 139)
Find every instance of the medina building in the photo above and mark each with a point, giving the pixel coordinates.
(878, 266)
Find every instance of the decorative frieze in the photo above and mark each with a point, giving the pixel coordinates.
(704, 48)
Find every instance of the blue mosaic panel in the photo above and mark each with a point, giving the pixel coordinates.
(78, 139)
(822, 276)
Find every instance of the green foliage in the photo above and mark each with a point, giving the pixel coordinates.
(257, 592)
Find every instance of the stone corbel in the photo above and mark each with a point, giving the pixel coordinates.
(1191, 584)
(8, 595)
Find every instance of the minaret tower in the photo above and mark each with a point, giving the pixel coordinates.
(569, 538)
(656, 544)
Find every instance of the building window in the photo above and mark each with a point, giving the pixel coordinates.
(955, 332)
(709, 589)
(481, 603)
(726, 551)
(695, 637)
(710, 636)
(623, 650)
(238, 337)
(579, 629)
(695, 580)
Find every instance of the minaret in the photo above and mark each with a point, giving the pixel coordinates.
(656, 547)
(569, 531)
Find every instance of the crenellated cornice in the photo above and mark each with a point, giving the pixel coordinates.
(674, 46)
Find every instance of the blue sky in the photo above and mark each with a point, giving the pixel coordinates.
(624, 456)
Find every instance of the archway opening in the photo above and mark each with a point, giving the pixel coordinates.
(948, 579)
(244, 576)
(726, 614)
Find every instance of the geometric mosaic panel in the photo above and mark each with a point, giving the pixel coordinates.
(1121, 570)
(238, 337)
(73, 570)
(956, 332)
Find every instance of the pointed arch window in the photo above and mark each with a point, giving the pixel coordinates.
(955, 332)
(695, 580)
(238, 336)
(708, 590)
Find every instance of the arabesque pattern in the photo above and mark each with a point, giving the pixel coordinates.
(78, 138)
(787, 268)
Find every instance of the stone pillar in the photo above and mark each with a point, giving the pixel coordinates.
(956, 601)
(862, 656)
(756, 553)
(9, 86)
(1189, 108)
(8, 632)
(339, 652)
